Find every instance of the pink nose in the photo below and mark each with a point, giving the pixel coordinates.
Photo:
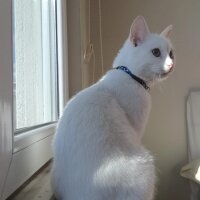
(170, 66)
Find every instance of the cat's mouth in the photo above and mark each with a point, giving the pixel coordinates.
(164, 74)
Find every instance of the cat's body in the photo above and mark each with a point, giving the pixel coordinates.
(97, 148)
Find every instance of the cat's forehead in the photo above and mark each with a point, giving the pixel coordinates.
(158, 41)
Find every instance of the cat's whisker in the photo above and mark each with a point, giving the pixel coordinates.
(160, 88)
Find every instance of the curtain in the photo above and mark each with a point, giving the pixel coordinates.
(91, 41)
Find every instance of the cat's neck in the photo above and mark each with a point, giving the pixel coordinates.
(132, 57)
(125, 58)
(131, 96)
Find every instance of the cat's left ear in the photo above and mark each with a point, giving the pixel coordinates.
(167, 32)
(139, 30)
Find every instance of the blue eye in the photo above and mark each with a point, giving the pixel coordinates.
(156, 52)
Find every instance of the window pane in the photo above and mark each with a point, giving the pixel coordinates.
(35, 63)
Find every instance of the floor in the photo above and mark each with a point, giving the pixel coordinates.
(37, 188)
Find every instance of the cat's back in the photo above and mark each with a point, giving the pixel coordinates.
(88, 104)
(83, 138)
(88, 116)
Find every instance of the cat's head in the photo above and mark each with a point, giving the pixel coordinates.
(148, 55)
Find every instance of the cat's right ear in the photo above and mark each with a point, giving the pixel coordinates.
(139, 30)
(166, 33)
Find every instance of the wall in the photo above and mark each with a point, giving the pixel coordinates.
(85, 35)
(74, 46)
(166, 133)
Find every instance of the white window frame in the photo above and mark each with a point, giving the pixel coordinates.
(22, 155)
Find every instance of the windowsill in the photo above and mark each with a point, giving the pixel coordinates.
(37, 187)
(25, 139)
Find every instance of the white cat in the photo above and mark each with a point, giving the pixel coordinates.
(97, 147)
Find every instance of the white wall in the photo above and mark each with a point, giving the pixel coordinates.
(166, 133)
(74, 46)
(85, 29)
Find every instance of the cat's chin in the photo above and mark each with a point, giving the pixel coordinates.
(164, 75)
(161, 77)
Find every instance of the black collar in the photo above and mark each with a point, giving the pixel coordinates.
(139, 80)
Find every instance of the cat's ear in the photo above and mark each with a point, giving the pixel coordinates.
(139, 30)
(167, 31)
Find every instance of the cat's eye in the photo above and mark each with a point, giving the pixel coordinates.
(171, 54)
(156, 52)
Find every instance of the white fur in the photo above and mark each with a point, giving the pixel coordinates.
(97, 147)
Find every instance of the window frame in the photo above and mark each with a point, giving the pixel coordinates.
(22, 155)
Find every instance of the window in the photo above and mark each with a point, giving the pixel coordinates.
(35, 63)
(33, 85)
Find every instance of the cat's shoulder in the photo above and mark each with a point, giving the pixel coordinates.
(95, 95)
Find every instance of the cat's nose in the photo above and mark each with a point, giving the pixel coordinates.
(170, 66)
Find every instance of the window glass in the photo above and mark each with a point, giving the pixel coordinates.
(35, 63)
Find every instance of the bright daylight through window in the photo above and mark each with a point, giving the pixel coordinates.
(35, 63)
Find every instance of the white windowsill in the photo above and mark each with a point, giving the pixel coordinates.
(25, 163)
(27, 138)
